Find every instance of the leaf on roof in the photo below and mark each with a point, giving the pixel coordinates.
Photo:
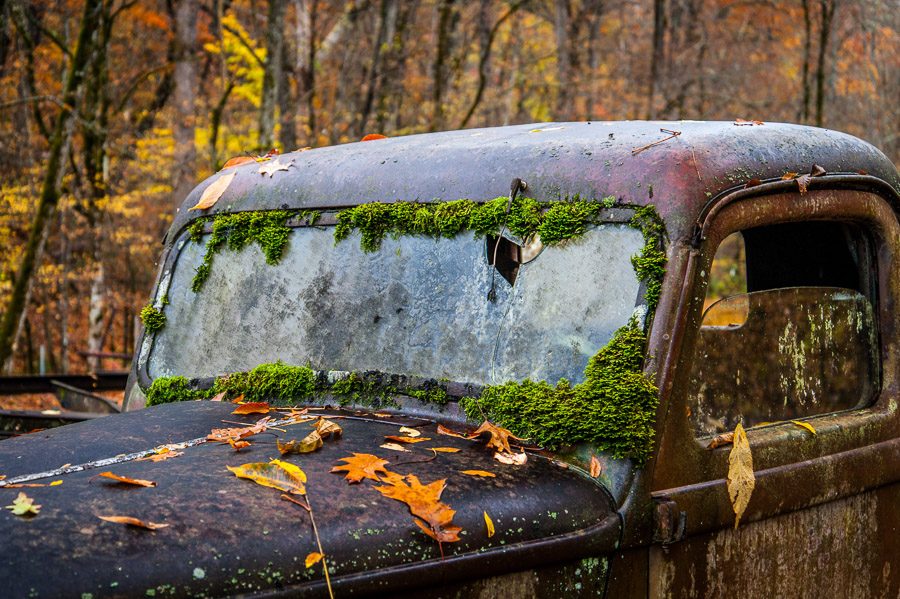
(23, 505)
(479, 473)
(741, 479)
(373, 136)
(133, 522)
(273, 166)
(433, 517)
(253, 408)
(310, 442)
(124, 479)
(214, 191)
(360, 466)
(237, 160)
(274, 474)
(499, 436)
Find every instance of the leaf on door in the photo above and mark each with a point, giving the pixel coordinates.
(433, 517)
(360, 466)
(133, 522)
(124, 479)
(808, 427)
(741, 479)
(211, 194)
(273, 474)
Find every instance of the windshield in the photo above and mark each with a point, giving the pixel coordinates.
(417, 306)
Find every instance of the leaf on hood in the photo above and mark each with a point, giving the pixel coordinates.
(273, 474)
(479, 473)
(23, 505)
(360, 466)
(410, 432)
(808, 427)
(490, 525)
(238, 445)
(406, 439)
(237, 160)
(238, 399)
(313, 559)
(373, 136)
(56, 483)
(446, 431)
(739, 122)
(499, 436)
(133, 522)
(326, 427)
(515, 459)
(393, 447)
(719, 440)
(253, 408)
(159, 457)
(238, 433)
(214, 191)
(444, 449)
(273, 166)
(741, 479)
(124, 479)
(310, 442)
(595, 466)
(433, 517)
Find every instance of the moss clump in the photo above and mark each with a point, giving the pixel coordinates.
(152, 318)
(368, 392)
(650, 264)
(176, 388)
(613, 408)
(269, 381)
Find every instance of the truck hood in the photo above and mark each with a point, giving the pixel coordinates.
(229, 536)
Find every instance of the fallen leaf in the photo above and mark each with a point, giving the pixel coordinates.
(789, 176)
(741, 479)
(739, 122)
(444, 449)
(23, 505)
(752, 183)
(313, 559)
(817, 171)
(808, 427)
(214, 191)
(373, 136)
(133, 522)
(489, 524)
(406, 439)
(446, 431)
(124, 479)
(238, 399)
(273, 474)
(803, 182)
(595, 466)
(393, 447)
(499, 436)
(56, 483)
(236, 434)
(433, 517)
(238, 445)
(269, 154)
(303, 149)
(360, 466)
(410, 432)
(516, 459)
(20, 485)
(310, 442)
(478, 473)
(863, 173)
(253, 408)
(159, 457)
(273, 166)
(325, 427)
(64, 466)
(561, 464)
(237, 160)
(2, 476)
(719, 440)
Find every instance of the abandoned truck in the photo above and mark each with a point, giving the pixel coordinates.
(499, 362)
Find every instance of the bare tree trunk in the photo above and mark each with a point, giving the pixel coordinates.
(287, 102)
(656, 57)
(827, 8)
(60, 143)
(271, 71)
(439, 64)
(562, 16)
(807, 57)
(374, 76)
(185, 160)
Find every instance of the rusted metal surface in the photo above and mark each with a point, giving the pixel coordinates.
(244, 539)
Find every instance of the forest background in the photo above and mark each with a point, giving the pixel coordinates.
(111, 111)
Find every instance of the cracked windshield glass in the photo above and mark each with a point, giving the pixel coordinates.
(417, 306)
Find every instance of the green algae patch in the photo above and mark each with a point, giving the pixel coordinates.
(152, 318)
(613, 408)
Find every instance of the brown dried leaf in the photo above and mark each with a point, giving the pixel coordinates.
(595, 466)
(276, 474)
(424, 502)
(238, 433)
(719, 440)
(214, 191)
(803, 182)
(406, 439)
(789, 176)
(326, 427)
(273, 166)
(238, 445)
(253, 408)
(741, 479)
(133, 522)
(752, 183)
(515, 459)
(817, 171)
(310, 442)
(740, 122)
(360, 466)
(124, 479)
(20, 485)
(446, 431)
(162, 455)
(499, 436)
(479, 473)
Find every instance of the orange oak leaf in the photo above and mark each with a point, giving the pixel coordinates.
(407, 439)
(360, 466)
(238, 445)
(276, 474)
(499, 436)
(125, 479)
(433, 517)
(478, 473)
(253, 408)
(214, 191)
(133, 522)
(238, 160)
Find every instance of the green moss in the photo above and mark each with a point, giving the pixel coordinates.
(650, 264)
(172, 389)
(152, 318)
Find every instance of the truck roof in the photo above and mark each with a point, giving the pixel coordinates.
(558, 161)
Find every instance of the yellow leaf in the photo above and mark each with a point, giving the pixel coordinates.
(806, 426)
(478, 473)
(215, 190)
(741, 479)
(23, 505)
(276, 474)
(311, 442)
(444, 449)
(409, 432)
(313, 558)
(326, 427)
(490, 525)
(55, 483)
(393, 447)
